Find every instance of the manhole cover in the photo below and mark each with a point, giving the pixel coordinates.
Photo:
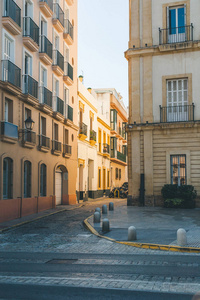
(62, 261)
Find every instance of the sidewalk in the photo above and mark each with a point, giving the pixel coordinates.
(154, 225)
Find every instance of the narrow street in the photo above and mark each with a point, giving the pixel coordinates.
(51, 257)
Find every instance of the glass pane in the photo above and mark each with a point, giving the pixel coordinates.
(180, 85)
(169, 85)
(185, 84)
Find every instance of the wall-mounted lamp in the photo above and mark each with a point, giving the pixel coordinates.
(29, 123)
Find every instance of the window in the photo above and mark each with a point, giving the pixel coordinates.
(66, 137)
(66, 101)
(99, 139)
(120, 174)
(116, 173)
(178, 169)
(7, 178)
(99, 178)
(108, 179)
(43, 126)
(176, 23)
(43, 27)
(43, 180)
(55, 132)
(177, 100)
(113, 146)
(8, 116)
(27, 179)
(113, 119)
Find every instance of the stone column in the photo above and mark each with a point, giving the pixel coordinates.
(148, 166)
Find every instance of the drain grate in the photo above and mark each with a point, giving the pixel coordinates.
(62, 261)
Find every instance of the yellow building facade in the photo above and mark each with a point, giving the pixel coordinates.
(163, 130)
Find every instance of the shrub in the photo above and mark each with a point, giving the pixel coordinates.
(179, 196)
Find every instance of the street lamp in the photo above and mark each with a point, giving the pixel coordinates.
(29, 123)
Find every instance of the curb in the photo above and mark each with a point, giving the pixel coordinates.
(38, 218)
(143, 245)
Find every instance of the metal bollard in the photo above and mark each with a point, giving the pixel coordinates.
(104, 209)
(132, 236)
(105, 225)
(111, 206)
(98, 209)
(181, 237)
(97, 217)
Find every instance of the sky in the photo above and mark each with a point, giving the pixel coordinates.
(103, 34)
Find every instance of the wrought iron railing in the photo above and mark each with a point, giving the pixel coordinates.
(45, 96)
(68, 70)
(56, 146)
(67, 149)
(68, 28)
(30, 86)
(58, 13)
(11, 73)
(93, 135)
(28, 136)
(176, 35)
(12, 10)
(121, 156)
(70, 113)
(180, 113)
(45, 46)
(58, 105)
(58, 59)
(106, 148)
(30, 29)
(49, 2)
(83, 128)
(44, 141)
(9, 130)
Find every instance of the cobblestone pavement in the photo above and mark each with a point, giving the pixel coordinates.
(65, 233)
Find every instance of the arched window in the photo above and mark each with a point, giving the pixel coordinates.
(43, 170)
(27, 179)
(7, 178)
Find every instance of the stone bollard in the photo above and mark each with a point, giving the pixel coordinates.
(104, 209)
(111, 206)
(97, 217)
(105, 225)
(98, 209)
(132, 236)
(181, 237)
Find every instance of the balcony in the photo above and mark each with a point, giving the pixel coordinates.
(67, 150)
(68, 32)
(30, 89)
(46, 7)
(30, 34)
(113, 128)
(121, 156)
(68, 73)
(11, 18)
(106, 149)
(56, 147)
(82, 131)
(45, 52)
(28, 138)
(58, 17)
(44, 143)
(11, 74)
(93, 137)
(58, 63)
(70, 113)
(45, 99)
(9, 132)
(176, 35)
(58, 108)
(181, 113)
(70, 2)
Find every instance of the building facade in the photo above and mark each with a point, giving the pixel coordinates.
(38, 44)
(118, 141)
(163, 130)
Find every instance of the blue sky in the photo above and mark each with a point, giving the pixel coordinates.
(103, 33)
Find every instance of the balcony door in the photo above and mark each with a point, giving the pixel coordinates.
(177, 100)
(176, 24)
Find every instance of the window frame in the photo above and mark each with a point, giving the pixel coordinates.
(178, 156)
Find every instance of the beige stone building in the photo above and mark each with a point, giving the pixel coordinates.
(163, 130)
(38, 44)
(118, 142)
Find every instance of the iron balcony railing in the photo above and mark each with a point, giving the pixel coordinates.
(58, 59)
(49, 3)
(9, 130)
(58, 13)
(58, 105)
(68, 28)
(56, 146)
(68, 71)
(176, 35)
(30, 86)
(31, 29)
(11, 73)
(93, 135)
(181, 113)
(28, 136)
(106, 148)
(12, 10)
(44, 141)
(83, 128)
(45, 46)
(121, 156)
(67, 149)
(70, 113)
(45, 96)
